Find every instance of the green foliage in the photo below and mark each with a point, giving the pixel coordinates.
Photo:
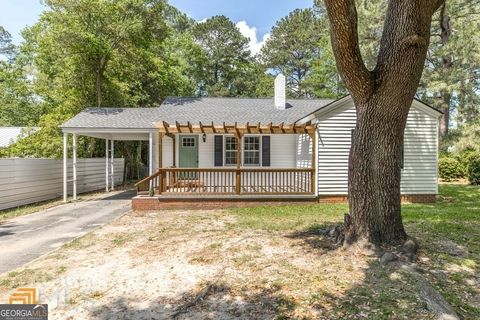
(293, 48)
(449, 168)
(17, 104)
(474, 170)
(450, 79)
(466, 138)
(224, 66)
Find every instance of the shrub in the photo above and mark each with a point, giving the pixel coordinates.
(465, 158)
(450, 169)
(474, 170)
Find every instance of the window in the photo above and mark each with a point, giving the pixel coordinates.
(188, 142)
(230, 151)
(251, 151)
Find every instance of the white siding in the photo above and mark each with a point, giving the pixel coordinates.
(303, 151)
(282, 150)
(205, 152)
(419, 175)
(24, 181)
(167, 154)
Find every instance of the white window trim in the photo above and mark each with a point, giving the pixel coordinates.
(242, 154)
(225, 151)
(260, 160)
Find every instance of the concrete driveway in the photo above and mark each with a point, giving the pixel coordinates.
(25, 238)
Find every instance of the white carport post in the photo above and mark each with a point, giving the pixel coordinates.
(106, 166)
(65, 169)
(150, 154)
(74, 166)
(112, 158)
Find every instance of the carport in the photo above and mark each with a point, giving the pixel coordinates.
(111, 125)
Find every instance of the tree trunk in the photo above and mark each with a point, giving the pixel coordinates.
(101, 66)
(374, 175)
(447, 64)
(445, 97)
(98, 88)
(382, 100)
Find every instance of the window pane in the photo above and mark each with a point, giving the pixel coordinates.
(188, 142)
(230, 150)
(251, 153)
(252, 143)
(230, 143)
(251, 157)
(230, 157)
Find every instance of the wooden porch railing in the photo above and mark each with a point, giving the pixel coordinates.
(247, 181)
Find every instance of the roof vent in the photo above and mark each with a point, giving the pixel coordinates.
(280, 96)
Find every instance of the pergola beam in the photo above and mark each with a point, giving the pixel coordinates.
(235, 129)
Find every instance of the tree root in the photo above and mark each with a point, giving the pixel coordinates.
(436, 303)
(199, 296)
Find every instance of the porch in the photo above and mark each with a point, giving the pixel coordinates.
(229, 181)
(238, 162)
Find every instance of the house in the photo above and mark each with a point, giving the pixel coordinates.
(254, 149)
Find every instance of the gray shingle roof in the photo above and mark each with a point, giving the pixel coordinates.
(206, 110)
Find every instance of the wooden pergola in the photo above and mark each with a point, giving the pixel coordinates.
(235, 129)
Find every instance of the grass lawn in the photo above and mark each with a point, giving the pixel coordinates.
(257, 263)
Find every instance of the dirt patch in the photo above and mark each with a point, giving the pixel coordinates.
(202, 265)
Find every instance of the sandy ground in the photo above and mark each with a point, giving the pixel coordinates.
(198, 265)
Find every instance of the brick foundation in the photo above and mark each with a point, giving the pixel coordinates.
(419, 198)
(156, 203)
(408, 198)
(332, 199)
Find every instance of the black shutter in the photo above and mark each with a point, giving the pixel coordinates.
(218, 151)
(265, 151)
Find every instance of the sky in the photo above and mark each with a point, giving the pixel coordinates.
(254, 18)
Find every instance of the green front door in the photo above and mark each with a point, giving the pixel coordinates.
(188, 152)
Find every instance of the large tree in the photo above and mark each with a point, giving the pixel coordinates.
(450, 81)
(382, 96)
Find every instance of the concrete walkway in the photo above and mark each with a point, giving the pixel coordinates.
(26, 238)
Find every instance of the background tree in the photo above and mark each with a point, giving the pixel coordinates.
(382, 97)
(18, 106)
(293, 47)
(225, 66)
(450, 81)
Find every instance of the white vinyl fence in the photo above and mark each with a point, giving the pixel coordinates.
(24, 181)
